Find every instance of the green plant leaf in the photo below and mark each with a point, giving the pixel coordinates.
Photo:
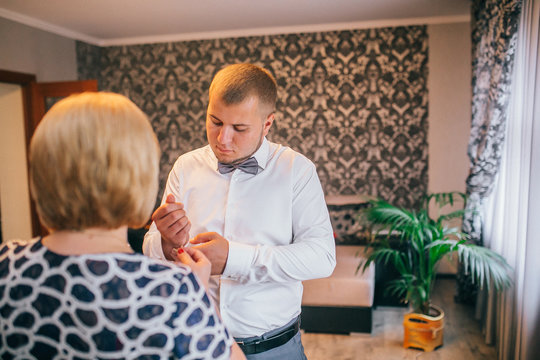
(485, 266)
(414, 243)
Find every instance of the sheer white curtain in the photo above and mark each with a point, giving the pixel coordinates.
(512, 211)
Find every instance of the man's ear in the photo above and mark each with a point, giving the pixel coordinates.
(268, 123)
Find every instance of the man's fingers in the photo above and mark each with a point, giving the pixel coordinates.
(203, 238)
(170, 219)
(170, 199)
(178, 233)
(168, 207)
(175, 226)
(164, 210)
(196, 254)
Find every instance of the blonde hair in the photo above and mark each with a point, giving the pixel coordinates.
(94, 162)
(234, 83)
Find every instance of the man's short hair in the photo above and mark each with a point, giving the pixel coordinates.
(94, 162)
(235, 83)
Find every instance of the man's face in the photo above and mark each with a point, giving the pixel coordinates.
(236, 131)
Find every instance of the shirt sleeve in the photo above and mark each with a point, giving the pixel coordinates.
(310, 255)
(152, 239)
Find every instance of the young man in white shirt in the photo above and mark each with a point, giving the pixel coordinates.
(256, 210)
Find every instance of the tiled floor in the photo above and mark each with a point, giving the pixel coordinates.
(463, 338)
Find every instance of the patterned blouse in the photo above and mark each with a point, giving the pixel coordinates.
(103, 306)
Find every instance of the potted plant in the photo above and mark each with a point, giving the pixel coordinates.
(414, 243)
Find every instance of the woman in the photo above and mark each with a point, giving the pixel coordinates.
(81, 292)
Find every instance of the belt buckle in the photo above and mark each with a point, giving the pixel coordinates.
(249, 347)
(254, 342)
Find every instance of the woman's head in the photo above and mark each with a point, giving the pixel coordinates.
(94, 162)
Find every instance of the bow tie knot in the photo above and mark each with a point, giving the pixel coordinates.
(250, 166)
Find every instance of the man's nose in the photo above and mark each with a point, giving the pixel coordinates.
(225, 135)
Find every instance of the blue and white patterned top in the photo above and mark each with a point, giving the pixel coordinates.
(103, 306)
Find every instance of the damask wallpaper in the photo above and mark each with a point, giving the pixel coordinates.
(355, 102)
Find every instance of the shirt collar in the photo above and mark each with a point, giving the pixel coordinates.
(262, 153)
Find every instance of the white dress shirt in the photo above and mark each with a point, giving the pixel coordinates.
(277, 225)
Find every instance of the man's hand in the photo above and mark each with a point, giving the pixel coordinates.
(173, 224)
(216, 249)
(196, 260)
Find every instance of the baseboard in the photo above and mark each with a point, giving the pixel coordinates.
(445, 276)
(336, 320)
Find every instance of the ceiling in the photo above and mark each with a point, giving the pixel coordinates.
(113, 22)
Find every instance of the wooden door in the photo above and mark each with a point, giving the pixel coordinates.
(45, 95)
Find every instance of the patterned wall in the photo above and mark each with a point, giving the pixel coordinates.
(354, 102)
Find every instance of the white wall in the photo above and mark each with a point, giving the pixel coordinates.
(51, 58)
(14, 194)
(450, 93)
(28, 50)
(449, 112)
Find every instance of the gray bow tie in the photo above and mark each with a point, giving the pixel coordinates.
(250, 166)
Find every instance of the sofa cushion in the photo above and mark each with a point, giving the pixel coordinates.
(346, 286)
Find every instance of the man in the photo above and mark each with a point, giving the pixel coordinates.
(258, 211)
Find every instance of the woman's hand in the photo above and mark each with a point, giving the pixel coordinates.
(196, 260)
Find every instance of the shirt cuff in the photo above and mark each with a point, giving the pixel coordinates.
(152, 246)
(239, 260)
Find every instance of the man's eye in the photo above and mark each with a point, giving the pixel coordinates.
(240, 128)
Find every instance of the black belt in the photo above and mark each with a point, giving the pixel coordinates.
(261, 345)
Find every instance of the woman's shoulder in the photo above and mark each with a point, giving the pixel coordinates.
(16, 246)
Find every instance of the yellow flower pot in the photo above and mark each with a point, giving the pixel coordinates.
(424, 332)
